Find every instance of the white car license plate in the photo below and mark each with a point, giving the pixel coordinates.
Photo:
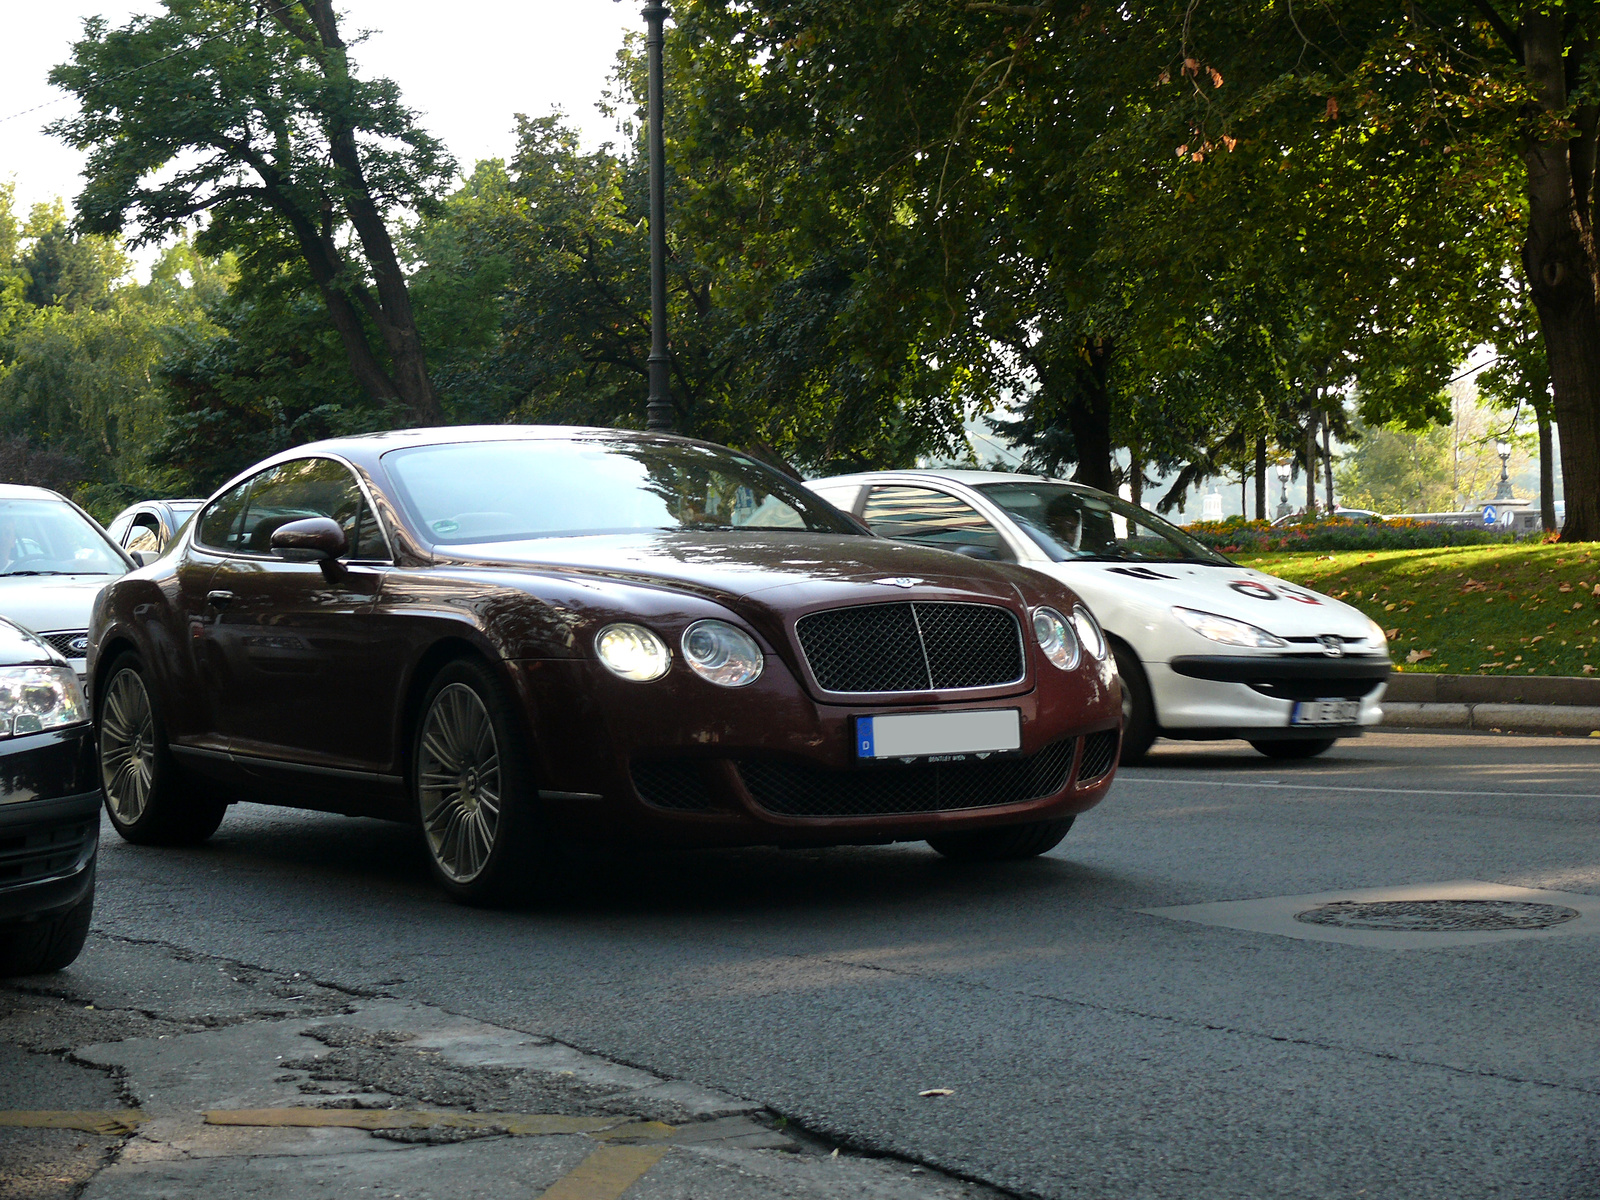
(1326, 712)
(942, 735)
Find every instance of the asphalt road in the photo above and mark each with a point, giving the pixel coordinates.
(1093, 1049)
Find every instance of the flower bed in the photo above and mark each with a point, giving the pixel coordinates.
(1238, 536)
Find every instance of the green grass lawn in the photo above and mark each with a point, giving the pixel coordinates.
(1526, 609)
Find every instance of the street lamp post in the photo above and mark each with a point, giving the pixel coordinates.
(658, 409)
(1284, 507)
(1503, 449)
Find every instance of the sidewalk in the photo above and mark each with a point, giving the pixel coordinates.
(145, 1072)
(1505, 704)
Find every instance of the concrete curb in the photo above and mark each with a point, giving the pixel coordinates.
(1510, 704)
(1581, 719)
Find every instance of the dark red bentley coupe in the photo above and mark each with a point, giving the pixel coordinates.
(520, 636)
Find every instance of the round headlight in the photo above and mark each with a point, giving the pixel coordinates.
(1089, 631)
(1056, 639)
(33, 699)
(633, 652)
(722, 653)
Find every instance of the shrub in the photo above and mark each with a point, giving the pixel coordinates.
(1238, 536)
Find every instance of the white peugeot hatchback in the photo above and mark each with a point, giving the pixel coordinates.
(1206, 649)
(54, 559)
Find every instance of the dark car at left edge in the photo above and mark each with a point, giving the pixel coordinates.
(49, 807)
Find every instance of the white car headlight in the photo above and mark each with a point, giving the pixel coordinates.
(1227, 631)
(633, 652)
(1376, 636)
(33, 699)
(1089, 631)
(1055, 637)
(722, 653)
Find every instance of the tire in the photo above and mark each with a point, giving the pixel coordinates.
(1007, 843)
(48, 944)
(472, 787)
(147, 797)
(1138, 707)
(1295, 748)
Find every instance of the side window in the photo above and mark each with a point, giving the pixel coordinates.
(219, 522)
(293, 491)
(917, 514)
(369, 542)
(144, 534)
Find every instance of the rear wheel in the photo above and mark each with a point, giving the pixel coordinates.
(1007, 842)
(48, 944)
(147, 798)
(1295, 748)
(473, 789)
(1138, 707)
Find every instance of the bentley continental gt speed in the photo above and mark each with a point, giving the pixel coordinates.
(517, 637)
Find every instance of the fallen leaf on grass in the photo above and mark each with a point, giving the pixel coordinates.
(1417, 656)
(1588, 668)
(938, 1092)
(1391, 634)
(1565, 587)
(1388, 608)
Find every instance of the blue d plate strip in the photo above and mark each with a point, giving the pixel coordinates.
(864, 746)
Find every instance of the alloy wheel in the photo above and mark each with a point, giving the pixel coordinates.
(127, 746)
(458, 782)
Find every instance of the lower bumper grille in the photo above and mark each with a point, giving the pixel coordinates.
(678, 785)
(43, 853)
(793, 789)
(1099, 753)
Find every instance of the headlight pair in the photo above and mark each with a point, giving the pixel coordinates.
(716, 651)
(33, 699)
(1065, 641)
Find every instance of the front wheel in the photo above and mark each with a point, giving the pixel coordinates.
(48, 944)
(1008, 842)
(146, 798)
(473, 789)
(1138, 707)
(1296, 748)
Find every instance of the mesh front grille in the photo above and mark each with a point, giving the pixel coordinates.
(675, 784)
(797, 790)
(43, 853)
(1099, 752)
(63, 641)
(912, 647)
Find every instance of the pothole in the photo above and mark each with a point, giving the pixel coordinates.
(1438, 916)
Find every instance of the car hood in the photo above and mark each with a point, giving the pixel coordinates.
(774, 568)
(45, 603)
(1273, 604)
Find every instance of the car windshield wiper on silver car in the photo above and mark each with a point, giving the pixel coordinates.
(54, 572)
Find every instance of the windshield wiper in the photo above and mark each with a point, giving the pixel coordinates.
(55, 572)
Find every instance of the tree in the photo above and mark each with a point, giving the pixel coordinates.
(279, 144)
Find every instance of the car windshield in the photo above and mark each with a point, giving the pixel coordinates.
(1071, 523)
(467, 492)
(50, 537)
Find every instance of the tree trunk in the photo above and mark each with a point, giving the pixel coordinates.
(1311, 465)
(1563, 270)
(1327, 460)
(1090, 419)
(1261, 479)
(1547, 470)
(1136, 475)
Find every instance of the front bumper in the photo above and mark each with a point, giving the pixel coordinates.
(1236, 695)
(692, 764)
(49, 821)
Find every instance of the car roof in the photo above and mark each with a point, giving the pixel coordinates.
(22, 491)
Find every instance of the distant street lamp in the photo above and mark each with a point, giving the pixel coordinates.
(1284, 507)
(658, 409)
(1503, 449)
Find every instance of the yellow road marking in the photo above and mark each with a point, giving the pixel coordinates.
(124, 1120)
(524, 1124)
(606, 1174)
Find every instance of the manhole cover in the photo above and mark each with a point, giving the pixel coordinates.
(1437, 916)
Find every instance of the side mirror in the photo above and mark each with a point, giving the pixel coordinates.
(986, 553)
(313, 539)
(143, 557)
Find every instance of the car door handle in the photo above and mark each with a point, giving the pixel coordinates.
(218, 599)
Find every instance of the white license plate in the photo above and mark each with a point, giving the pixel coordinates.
(939, 735)
(1326, 712)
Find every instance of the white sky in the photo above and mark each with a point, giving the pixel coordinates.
(467, 74)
